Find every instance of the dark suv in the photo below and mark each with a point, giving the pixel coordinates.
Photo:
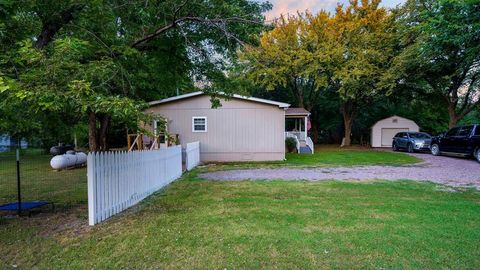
(464, 140)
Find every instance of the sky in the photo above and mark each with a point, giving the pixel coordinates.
(291, 6)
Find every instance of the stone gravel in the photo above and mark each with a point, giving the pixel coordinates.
(451, 171)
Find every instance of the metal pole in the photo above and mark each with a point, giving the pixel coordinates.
(19, 193)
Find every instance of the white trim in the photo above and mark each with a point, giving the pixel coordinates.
(305, 126)
(155, 126)
(193, 124)
(254, 99)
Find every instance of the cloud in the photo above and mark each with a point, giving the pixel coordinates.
(292, 6)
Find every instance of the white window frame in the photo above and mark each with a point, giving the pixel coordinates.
(193, 123)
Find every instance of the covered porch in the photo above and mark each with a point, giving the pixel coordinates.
(297, 126)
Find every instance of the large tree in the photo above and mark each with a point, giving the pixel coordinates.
(363, 54)
(440, 52)
(347, 53)
(287, 58)
(93, 60)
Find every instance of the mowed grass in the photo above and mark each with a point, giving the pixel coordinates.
(194, 223)
(198, 224)
(39, 181)
(329, 156)
(348, 157)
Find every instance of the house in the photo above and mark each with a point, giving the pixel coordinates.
(241, 129)
(6, 141)
(384, 130)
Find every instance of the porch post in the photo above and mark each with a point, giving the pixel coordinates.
(305, 127)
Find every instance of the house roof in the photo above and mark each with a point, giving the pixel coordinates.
(392, 117)
(199, 93)
(297, 112)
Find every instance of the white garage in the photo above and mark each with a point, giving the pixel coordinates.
(384, 130)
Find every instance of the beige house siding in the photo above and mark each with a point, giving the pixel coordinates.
(240, 130)
(389, 126)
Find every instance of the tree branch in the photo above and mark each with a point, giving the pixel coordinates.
(140, 43)
(50, 26)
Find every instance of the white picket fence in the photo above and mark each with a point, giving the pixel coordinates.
(192, 152)
(118, 180)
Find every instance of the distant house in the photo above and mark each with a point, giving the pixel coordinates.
(384, 130)
(242, 129)
(6, 141)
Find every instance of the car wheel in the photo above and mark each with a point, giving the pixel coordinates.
(394, 147)
(410, 148)
(435, 149)
(477, 155)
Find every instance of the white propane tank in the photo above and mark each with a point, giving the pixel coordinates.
(70, 159)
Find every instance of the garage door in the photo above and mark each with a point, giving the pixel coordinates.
(389, 133)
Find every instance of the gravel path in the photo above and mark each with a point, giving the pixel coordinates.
(452, 171)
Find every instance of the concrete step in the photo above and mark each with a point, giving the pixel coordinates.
(305, 150)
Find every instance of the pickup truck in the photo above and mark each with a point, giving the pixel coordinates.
(462, 140)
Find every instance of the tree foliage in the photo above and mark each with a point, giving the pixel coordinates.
(308, 54)
(440, 52)
(96, 61)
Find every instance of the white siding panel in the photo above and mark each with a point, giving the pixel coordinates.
(238, 130)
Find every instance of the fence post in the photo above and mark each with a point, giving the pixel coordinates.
(91, 185)
(19, 192)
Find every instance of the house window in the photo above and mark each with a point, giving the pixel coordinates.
(199, 124)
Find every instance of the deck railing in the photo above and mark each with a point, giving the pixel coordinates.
(310, 144)
(299, 134)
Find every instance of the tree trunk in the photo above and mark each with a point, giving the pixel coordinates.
(348, 112)
(347, 121)
(453, 116)
(102, 135)
(92, 132)
(50, 26)
(315, 132)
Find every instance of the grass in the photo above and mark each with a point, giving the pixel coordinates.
(328, 156)
(39, 181)
(348, 157)
(267, 224)
(200, 224)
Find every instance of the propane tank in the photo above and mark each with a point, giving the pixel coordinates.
(70, 159)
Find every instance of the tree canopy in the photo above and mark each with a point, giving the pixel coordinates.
(97, 61)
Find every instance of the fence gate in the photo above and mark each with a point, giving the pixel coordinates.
(192, 152)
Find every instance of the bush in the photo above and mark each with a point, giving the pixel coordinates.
(291, 144)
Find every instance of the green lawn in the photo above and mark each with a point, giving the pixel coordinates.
(348, 157)
(333, 156)
(201, 224)
(39, 181)
(267, 224)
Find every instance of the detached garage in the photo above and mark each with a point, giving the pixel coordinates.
(384, 130)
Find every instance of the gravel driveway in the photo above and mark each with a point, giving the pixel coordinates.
(452, 171)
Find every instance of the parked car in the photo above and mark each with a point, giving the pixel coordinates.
(411, 141)
(463, 140)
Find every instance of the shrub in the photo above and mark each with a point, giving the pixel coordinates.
(291, 144)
